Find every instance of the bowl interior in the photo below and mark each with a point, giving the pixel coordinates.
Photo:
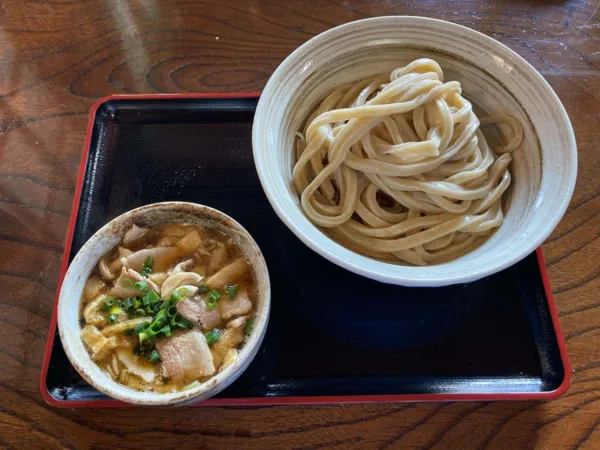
(106, 238)
(491, 79)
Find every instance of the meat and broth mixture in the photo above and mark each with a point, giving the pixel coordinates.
(168, 308)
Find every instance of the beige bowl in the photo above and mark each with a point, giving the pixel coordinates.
(493, 77)
(109, 235)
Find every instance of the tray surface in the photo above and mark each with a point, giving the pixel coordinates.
(331, 333)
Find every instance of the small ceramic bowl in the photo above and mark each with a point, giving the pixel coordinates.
(106, 238)
(494, 78)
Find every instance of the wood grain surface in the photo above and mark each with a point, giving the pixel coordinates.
(58, 56)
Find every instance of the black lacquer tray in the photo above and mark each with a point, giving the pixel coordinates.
(333, 336)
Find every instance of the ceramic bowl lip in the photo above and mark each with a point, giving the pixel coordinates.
(363, 266)
(82, 361)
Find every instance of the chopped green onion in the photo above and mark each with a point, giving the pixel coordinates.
(108, 302)
(126, 283)
(140, 312)
(212, 336)
(184, 324)
(171, 312)
(147, 269)
(127, 304)
(175, 319)
(148, 309)
(128, 331)
(152, 297)
(154, 357)
(160, 317)
(112, 318)
(212, 299)
(182, 293)
(249, 326)
(146, 338)
(203, 289)
(141, 327)
(231, 290)
(141, 286)
(166, 304)
(136, 303)
(174, 297)
(166, 331)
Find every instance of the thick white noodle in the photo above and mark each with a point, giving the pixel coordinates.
(396, 168)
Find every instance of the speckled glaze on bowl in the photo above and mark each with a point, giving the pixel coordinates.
(494, 78)
(106, 238)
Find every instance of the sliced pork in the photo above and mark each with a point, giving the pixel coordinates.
(186, 356)
(239, 305)
(195, 310)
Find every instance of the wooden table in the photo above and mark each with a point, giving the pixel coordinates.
(58, 56)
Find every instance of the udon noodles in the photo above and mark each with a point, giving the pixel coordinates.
(396, 167)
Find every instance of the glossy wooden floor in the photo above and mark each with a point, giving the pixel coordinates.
(58, 56)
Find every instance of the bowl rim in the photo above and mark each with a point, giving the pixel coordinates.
(359, 268)
(206, 389)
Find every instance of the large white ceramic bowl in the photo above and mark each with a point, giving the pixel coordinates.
(494, 78)
(102, 241)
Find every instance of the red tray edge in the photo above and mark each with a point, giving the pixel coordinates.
(550, 395)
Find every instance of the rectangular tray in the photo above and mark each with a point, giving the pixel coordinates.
(333, 336)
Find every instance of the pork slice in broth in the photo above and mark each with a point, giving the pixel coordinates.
(195, 310)
(239, 305)
(118, 290)
(186, 356)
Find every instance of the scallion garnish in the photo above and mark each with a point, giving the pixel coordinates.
(249, 326)
(154, 357)
(126, 283)
(112, 318)
(141, 327)
(171, 312)
(182, 293)
(152, 297)
(147, 269)
(108, 303)
(231, 290)
(174, 297)
(146, 339)
(212, 336)
(212, 298)
(141, 286)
